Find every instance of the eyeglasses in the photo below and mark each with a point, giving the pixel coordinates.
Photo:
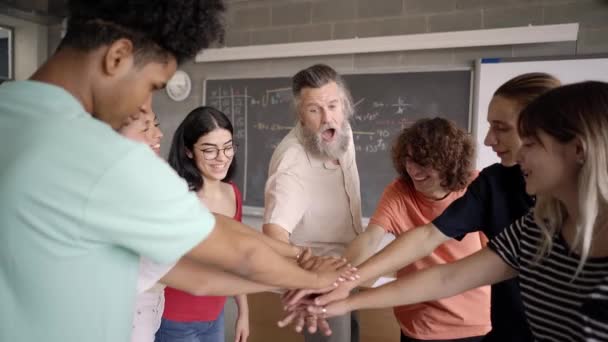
(212, 153)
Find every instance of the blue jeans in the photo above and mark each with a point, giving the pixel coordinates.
(172, 331)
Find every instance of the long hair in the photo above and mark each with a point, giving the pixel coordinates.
(576, 111)
(197, 123)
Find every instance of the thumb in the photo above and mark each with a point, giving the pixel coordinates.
(317, 310)
(330, 297)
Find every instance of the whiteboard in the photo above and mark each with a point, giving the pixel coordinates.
(492, 73)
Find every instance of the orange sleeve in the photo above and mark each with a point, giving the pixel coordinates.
(391, 211)
(484, 239)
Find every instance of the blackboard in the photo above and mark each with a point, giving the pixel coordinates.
(4, 58)
(262, 113)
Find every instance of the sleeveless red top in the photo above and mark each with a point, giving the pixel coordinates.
(183, 307)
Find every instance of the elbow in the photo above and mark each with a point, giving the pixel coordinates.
(196, 286)
(202, 290)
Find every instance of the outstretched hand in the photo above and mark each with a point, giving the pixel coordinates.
(340, 292)
(325, 265)
(300, 317)
(333, 309)
(300, 304)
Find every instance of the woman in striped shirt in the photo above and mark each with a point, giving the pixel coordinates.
(559, 250)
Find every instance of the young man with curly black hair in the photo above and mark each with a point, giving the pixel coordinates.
(79, 204)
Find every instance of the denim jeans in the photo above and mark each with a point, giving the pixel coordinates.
(172, 331)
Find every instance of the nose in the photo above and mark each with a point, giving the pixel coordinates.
(325, 115)
(490, 139)
(221, 155)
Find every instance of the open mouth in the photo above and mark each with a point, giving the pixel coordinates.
(420, 179)
(328, 134)
(219, 167)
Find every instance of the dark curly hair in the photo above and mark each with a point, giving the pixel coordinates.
(157, 28)
(437, 143)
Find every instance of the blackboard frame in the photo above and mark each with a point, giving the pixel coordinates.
(10, 53)
(256, 211)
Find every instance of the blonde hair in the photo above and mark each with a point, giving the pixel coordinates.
(576, 111)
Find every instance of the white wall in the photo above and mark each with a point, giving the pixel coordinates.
(30, 42)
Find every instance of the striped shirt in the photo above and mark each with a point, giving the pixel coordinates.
(558, 306)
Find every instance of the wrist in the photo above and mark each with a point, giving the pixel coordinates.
(350, 303)
(356, 283)
(298, 252)
(365, 277)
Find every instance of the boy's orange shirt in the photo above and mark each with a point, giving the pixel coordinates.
(402, 208)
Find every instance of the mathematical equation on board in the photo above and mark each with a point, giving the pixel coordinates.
(374, 124)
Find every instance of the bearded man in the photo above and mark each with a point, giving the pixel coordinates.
(312, 195)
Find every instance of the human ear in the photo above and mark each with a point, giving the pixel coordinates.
(580, 151)
(118, 58)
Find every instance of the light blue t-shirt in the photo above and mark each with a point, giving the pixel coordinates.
(79, 204)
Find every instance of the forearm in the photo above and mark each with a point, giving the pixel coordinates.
(264, 265)
(283, 248)
(242, 305)
(405, 249)
(251, 258)
(201, 280)
(365, 245)
(481, 268)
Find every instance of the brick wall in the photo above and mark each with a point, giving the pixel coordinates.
(253, 22)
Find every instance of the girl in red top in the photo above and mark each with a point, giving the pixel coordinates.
(202, 152)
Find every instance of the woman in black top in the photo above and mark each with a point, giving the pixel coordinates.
(494, 200)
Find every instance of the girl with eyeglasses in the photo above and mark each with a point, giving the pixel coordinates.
(188, 276)
(202, 152)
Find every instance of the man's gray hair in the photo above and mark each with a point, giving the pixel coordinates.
(317, 76)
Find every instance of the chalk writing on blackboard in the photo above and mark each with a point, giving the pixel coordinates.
(262, 113)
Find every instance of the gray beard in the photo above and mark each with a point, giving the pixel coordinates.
(314, 144)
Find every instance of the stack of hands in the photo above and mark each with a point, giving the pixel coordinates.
(312, 307)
